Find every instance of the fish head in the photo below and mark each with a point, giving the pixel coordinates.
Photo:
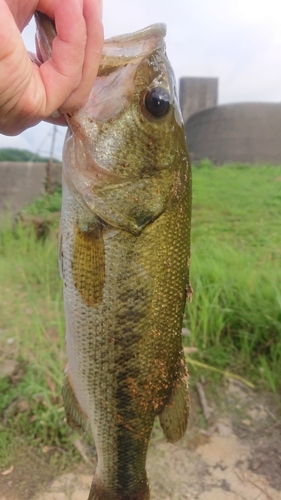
(123, 146)
(128, 123)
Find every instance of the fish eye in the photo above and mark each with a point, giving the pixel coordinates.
(157, 101)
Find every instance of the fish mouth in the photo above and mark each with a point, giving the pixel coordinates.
(114, 89)
(122, 48)
(156, 29)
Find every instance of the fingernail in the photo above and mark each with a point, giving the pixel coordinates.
(56, 114)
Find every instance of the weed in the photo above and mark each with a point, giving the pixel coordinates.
(32, 331)
(235, 316)
(48, 203)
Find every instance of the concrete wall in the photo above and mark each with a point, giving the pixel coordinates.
(197, 94)
(247, 133)
(22, 182)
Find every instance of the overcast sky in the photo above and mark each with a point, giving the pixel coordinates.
(238, 41)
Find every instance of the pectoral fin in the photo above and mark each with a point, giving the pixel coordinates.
(75, 417)
(88, 264)
(174, 417)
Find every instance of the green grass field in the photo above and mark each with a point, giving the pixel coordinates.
(234, 319)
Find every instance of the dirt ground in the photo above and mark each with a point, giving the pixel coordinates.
(236, 455)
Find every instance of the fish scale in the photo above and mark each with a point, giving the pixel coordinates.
(124, 256)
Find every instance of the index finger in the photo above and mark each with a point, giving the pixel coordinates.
(92, 11)
(76, 51)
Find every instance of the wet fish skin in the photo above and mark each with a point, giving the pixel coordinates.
(125, 239)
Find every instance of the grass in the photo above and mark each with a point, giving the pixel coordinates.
(234, 319)
(32, 331)
(46, 205)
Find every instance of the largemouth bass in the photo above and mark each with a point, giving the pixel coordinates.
(124, 258)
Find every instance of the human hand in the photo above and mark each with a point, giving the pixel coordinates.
(29, 93)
